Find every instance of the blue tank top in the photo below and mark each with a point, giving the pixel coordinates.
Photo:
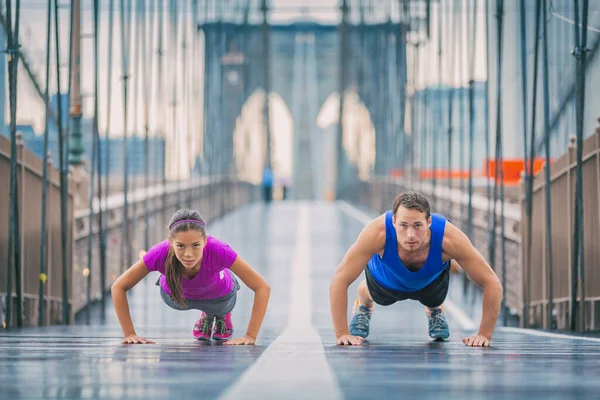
(389, 271)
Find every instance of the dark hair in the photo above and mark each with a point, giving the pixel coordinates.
(412, 201)
(188, 220)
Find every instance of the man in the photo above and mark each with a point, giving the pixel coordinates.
(267, 184)
(407, 253)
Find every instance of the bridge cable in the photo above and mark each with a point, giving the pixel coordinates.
(472, 55)
(45, 160)
(125, 50)
(63, 144)
(148, 82)
(578, 265)
(135, 134)
(549, 321)
(161, 111)
(14, 237)
(452, 40)
(95, 164)
(435, 132)
(529, 166)
(498, 170)
(459, 12)
(175, 134)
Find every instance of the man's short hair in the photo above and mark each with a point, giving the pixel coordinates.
(413, 201)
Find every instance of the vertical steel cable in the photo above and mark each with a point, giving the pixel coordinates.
(452, 40)
(498, 173)
(148, 79)
(64, 194)
(473, 54)
(136, 82)
(529, 165)
(175, 149)
(488, 172)
(44, 238)
(107, 149)
(549, 262)
(94, 163)
(343, 32)
(434, 129)
(160, 112)
(14, 236)
(577, 267)
(125, 43)
(523, 22)
(101, 234)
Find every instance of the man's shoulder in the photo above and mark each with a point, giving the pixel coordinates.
(453, 238)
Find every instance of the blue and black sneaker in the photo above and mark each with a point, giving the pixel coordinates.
(438, 326)
(359, 326)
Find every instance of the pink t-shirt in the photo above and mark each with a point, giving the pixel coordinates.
(212, 281)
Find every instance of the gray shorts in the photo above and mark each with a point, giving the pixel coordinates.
(219, 306)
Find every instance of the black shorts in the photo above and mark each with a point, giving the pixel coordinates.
(432, 295)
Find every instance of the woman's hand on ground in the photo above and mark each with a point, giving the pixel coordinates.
(244, 340)
(135, 339)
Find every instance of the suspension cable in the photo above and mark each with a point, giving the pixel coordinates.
(435, 131)
(175, 134)
(94, 163)
(549, 262)
(14, 237)
(125, 49)
(498, 170)
(452, 39)
(148, 75)
(63, 143)
(523, 22)
(461, 107)
(578, 262)
(527, 176)
(103, 232)
(161, 109)
(529, 166)
(136, 82)
(473, 53)
(45, 158)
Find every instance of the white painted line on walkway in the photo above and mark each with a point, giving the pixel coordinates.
(294, 365)
(355, 213)
(465, 322)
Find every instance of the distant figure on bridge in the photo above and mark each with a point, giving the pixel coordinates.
(267, 185)
(406, 253)
(195, 275)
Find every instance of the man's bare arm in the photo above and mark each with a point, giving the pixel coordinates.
(457, 245)
(370, 241)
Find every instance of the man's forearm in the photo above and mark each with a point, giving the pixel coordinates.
(492, 299)
(338, 297)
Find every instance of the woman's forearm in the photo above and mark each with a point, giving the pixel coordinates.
(121, 305)
(259, 309)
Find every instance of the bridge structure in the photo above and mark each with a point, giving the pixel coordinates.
(290, 127)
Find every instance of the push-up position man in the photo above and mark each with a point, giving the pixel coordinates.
(407, 253)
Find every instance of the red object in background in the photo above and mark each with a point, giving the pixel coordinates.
(512, 169)
(445, 174)
(396, 173)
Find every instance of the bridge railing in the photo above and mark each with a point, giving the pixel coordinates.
(562, 197)
(30, 179)
(213, 197)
